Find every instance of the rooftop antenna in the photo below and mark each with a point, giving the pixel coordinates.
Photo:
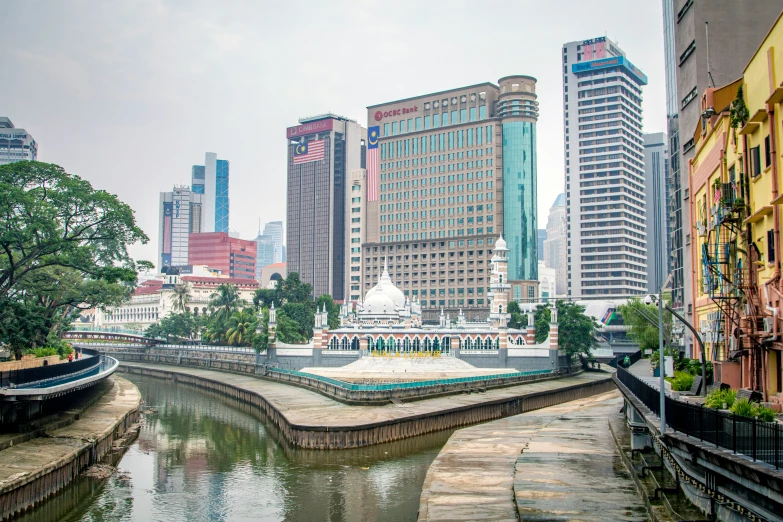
(707, 36)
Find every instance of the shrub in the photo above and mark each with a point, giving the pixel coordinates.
(682, 381)
(44, 351)
(743, 408)
(717, 398)
(766, 414)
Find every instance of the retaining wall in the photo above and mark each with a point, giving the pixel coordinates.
(344, 437)
(19, 494)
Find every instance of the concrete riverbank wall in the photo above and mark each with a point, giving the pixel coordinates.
(356, 431)
(32, 471)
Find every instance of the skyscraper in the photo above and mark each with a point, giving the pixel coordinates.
(234, 257)
(446, 173)
(735, 31)
(555, 243)
(211, 179)
(180, 215)
(541, 240)
(604, 158)
(265, 253)
(274, 229)
(656, 170)
(322, 150)
(15, 144)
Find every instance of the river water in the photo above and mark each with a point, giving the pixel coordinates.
(206, 457)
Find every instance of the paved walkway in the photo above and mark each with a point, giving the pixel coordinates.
(306, 408)
(642, 369)
(38, 455)
(557, 463)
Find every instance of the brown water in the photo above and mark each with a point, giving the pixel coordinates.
(206, 457)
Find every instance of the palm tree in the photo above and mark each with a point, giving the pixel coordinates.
(241, 327)
(181, 296)
(225, 301)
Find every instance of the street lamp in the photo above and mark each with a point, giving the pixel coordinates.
(661, 366)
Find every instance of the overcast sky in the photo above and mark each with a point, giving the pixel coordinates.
(131, 94)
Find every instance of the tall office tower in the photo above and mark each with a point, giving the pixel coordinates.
(656, 170)
(448, 172)
(322, 151)
(265, 252)
(211, 179)
(358, 229)
(735, 31)
(555, 244)
(606, 249)
(15, 144)
(234, 257)
(541, 240)
(274, 229)
(180, 215)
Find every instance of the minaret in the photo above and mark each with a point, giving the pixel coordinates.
(272, 326)
(442, 318)
(498, 286)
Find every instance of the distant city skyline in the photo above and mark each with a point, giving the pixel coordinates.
(125, 97)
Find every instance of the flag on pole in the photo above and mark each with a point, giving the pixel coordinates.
(310, 151)
(373, 133)
(717, 194)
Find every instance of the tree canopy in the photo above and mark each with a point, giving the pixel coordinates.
(63, 248)
(638, 317)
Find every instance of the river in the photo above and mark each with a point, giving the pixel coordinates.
(205, 457)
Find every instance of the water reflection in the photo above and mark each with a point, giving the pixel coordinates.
(207, 457)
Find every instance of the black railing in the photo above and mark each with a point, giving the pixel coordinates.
(17, 378)
(619, 360)
(756, 439)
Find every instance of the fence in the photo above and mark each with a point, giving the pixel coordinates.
(16, 378)
(634, 357)
(751, 437)
(413, 384)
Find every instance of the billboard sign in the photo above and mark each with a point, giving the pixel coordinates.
(310, 128)
(607, 63)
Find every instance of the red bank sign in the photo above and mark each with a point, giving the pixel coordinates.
(379, 115)
(310, 128)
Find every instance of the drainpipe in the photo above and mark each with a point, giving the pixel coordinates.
(751, 266)
(775, 223)
(694, 280)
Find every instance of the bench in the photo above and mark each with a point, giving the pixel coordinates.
(749, 395)
(695, 387)
(717, 386)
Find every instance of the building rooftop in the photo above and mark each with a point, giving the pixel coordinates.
(560, 200)
(6, 123)
(476, 86)
(325, 116)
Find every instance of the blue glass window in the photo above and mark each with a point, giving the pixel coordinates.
(489, 133)
(461, 139)
(472, 114)
(454, 119)
(451, 140)
(394, 128)
(463, 115)
(386, 129)
(445, 118)
(410, 124)
(402, 127)
(435, 121)
(418, 123)
(221, 196)
(479, 135)
(426, 122)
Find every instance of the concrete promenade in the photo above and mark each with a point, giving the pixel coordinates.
(32, 470)
(308, 419)
(557, 463)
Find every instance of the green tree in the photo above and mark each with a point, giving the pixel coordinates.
(224, 301)
(641, 330)
(181, 296)
(517, 319)
(541, 319)
(575, 330)
(241, 327)
(181, 325)
(264, 297)
(292, 290)
(49, 218)
(261, 337)
(289, 331)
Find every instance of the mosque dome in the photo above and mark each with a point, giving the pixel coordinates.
(500, 244)
(384, 297)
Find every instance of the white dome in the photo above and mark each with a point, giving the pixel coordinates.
(378, 304)
(382, 291)
(500, 244)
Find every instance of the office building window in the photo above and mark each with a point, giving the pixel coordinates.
(463, 115)
(483, 112)
(531, 292)
(418, 123)
(445, 118)
(755, 160)
(426, 122)
(767, 154)
(402, 127)
(394, 128)
(472, 114)
(435, 121)
(385, 129)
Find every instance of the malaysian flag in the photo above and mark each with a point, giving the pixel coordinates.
(717, 194)
(373, 133)
(310, 151)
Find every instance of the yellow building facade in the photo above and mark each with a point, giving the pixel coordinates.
(735, 204)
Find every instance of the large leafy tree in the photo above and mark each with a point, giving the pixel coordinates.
(181, 296)
(639, 317)
(575, 330)
(49, 218)
(541, 319)
(182, 325)
(517, 319)
(332, 309)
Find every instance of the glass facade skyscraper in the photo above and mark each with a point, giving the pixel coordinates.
(221, 196)
(520, 227)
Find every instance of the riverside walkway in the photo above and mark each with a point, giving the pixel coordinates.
(309, 419)
(556, 463)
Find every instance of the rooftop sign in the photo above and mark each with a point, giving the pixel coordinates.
(310, 128)
(607, 63)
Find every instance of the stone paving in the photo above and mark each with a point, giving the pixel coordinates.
(406, 369)
(557, 463)
(33, 456)
(304, 408)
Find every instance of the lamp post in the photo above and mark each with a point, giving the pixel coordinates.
(661, 360)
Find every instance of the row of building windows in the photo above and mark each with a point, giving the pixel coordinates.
(442, 158)
(434, 234)
(435, 121)
(437, 142)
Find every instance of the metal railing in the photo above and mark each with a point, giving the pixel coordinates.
(16, 378)
(759, 440)
(412, 384)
